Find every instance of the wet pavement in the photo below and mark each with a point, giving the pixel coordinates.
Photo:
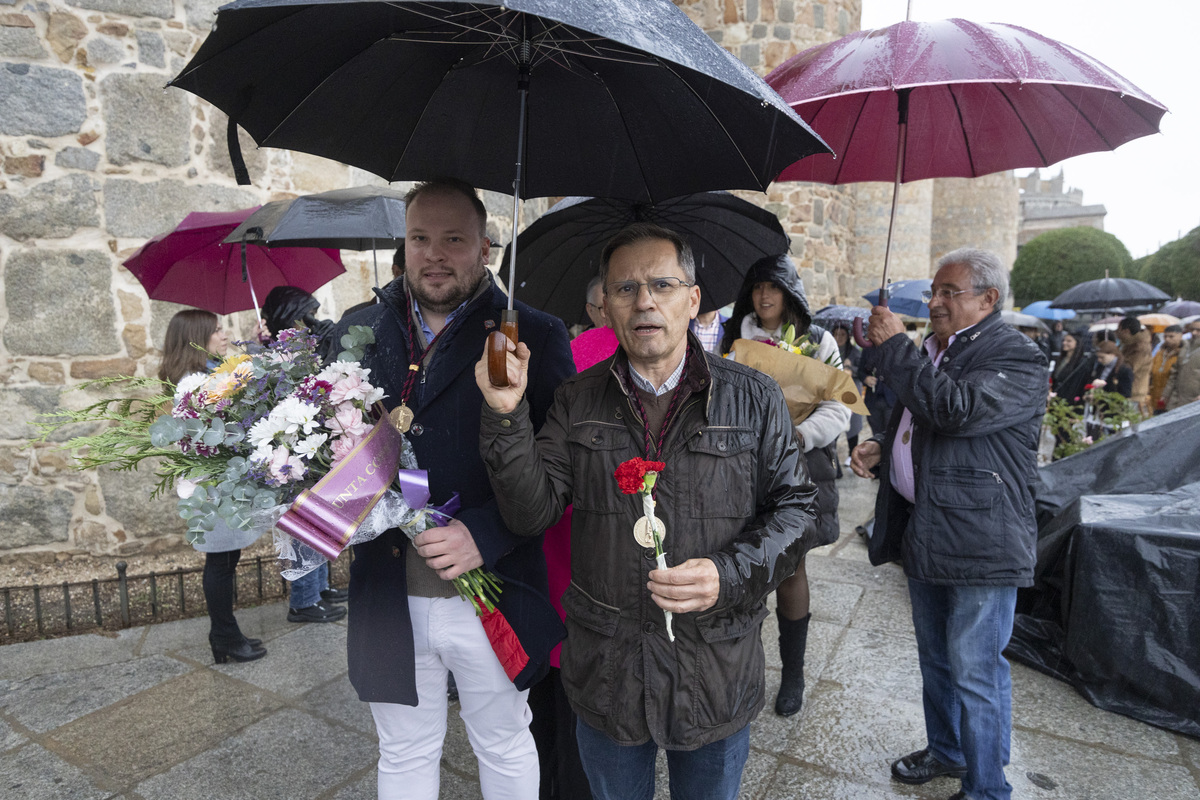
(145, 714)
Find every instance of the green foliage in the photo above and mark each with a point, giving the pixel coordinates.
(1060, 259)
(1175, 267)
(1076, 428)
(354, 342)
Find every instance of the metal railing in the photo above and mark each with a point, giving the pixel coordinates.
(69, 608)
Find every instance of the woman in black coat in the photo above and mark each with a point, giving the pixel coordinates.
(1073, 369)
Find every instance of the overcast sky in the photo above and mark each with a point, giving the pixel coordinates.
(1150, 186)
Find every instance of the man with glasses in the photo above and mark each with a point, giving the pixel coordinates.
(733, 498)
(954, 505)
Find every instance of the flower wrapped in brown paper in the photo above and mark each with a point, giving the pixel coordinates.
(806, 382)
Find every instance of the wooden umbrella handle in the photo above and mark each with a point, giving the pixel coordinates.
(498, 347)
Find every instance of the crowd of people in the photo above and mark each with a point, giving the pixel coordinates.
(621, 656)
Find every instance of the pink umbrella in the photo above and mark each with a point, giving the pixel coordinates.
(954, 98)
(190, 265)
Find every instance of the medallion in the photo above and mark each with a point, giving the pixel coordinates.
(401, 417)
(641, 531)
(904, 439)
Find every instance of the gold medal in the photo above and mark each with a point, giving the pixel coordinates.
(641, 531)
(903, 439)
(401, 417)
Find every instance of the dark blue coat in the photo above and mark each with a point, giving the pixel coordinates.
(445, 436)
(976, 425)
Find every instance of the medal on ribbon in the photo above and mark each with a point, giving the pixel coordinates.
(638, 476)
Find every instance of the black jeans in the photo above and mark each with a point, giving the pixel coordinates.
(219, 569)
(553, 729)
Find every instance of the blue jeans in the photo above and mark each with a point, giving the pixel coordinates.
(967, 687)
(306, 590)
(626, 772)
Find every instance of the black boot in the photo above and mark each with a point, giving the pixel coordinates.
(793, 639)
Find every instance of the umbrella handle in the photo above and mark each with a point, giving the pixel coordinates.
(498, 347)
(859, 339)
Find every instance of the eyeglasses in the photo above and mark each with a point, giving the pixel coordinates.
(945, 295)
(623, 293)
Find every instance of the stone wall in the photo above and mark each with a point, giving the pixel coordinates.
(96, 156)
(976, 212)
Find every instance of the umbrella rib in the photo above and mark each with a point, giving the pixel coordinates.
(1012, 107)
(1080, 115)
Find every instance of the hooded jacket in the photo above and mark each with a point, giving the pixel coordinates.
(822, 427)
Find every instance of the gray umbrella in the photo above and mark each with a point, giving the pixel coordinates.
(1019, 320)
(359, 218)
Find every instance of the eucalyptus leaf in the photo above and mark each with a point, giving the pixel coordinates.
(165, 430)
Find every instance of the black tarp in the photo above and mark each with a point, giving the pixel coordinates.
(1115, 609)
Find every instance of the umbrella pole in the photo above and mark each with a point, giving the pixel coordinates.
(497, 345)
(246, 277)
(901, 140)
(375, 261)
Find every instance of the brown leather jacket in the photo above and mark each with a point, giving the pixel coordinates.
(734, 490)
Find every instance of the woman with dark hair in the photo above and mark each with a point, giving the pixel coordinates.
(851, 356)
(771, 298)
(311, 598)
(1074, 367)
(1112, 369)
(195, 343)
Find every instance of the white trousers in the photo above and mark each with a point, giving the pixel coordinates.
(449, 637)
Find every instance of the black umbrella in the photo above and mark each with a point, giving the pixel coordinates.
(832, 315)
(560, 252)
(1108, 293)
(359, 218)
(620, 98)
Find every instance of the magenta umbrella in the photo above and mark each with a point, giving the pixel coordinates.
(190, 265)
(954, 98)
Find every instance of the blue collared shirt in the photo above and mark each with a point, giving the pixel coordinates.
(668, 385)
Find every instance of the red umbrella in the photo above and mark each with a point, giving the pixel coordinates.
(190, 265)
(954, 98)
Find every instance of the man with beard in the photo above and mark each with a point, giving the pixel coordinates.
(955, 506)
(408, 626)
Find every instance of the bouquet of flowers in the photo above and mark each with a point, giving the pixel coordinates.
(788, 342)
(638, 476)
(250, 441)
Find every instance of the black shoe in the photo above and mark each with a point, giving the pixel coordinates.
(254, 642)
(922, 767)
(239, 652)
(318, 613)
(793, 640)
(960, 796)
(332, 595)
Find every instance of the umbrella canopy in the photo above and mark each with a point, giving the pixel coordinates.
(1019, 320)
(626, 98)
(1181, 308)
(904, 297)
(1108, 293)
(1158, 322)
(560, 252)
(191, 265)
(359, 218)
(1042, 310)
(980, 98)
(833, 314)
(954, 98)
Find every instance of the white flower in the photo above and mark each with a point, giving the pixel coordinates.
(295, 416)
(311, 445)
(185, 488)
(337, 370)
(189, 383)
(264, 431)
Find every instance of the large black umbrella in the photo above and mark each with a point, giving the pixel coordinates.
(1109, 293)
(358, 218)
(560, 252)
(619, 98)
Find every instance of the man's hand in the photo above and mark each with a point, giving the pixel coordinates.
(884, 325)
(504, 399)
(865, 458)
(870, 381)
(449, 551)
(692, 586)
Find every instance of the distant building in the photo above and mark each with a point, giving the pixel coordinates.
(1046, 207)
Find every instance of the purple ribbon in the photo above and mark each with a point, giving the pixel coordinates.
(414, 486)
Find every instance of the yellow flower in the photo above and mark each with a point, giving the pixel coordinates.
(232, 363)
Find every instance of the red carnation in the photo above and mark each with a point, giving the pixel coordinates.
(631, 475)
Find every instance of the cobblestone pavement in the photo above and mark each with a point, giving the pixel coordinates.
(145, 715)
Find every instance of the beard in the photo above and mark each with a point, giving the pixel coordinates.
(444, 299)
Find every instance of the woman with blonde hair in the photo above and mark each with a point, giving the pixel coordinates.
(196, 343)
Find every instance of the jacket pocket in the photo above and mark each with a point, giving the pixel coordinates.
(729, 666)
(724, 464)
(965, 516)
(589, 656)
(596, 450)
